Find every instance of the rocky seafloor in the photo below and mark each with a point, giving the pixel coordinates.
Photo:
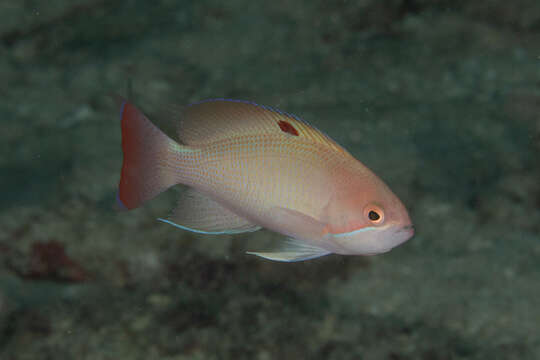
(439, 98)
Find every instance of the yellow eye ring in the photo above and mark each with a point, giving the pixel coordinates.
(374, 214)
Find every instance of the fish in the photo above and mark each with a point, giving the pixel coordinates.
(247, 166)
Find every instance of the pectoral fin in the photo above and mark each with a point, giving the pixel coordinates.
(292, 250)
(294, 222)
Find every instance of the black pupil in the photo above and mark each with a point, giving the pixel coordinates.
(373, 216)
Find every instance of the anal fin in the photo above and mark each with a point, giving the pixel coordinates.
(199, 213)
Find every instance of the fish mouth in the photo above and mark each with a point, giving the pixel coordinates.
(401, 235)
(407, 229)
(404, 233)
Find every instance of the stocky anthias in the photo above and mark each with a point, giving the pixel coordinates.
(248, 166)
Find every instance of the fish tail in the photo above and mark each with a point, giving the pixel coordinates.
(150, 158)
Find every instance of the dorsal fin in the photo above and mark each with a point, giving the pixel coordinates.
(215, 119)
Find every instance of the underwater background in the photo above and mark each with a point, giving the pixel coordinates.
(440, 98)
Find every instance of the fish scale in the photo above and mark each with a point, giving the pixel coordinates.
(236, 165)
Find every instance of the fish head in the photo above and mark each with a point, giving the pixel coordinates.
(369, 220)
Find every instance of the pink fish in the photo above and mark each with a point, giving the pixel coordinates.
(249, 166)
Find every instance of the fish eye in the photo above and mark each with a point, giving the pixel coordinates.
(374, 214)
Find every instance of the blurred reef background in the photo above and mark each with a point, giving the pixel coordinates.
(440, 98)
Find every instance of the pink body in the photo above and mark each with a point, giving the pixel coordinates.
(248, 167)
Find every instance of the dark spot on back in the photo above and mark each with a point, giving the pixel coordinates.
(287, 127)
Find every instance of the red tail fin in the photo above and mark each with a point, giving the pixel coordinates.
(146, 167)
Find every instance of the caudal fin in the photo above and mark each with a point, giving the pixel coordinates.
(148, 166)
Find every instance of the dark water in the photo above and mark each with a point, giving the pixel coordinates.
(440, 98)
